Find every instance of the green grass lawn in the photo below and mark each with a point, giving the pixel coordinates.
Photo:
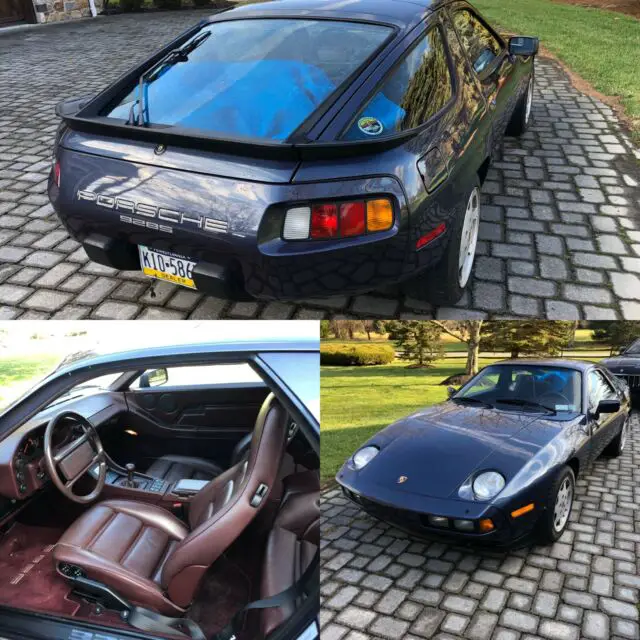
(17, 374)
(601, 46)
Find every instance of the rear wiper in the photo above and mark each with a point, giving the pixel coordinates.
(173, 57)
(473, 401)
(525, 403)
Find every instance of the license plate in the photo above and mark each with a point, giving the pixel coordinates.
(167, 266)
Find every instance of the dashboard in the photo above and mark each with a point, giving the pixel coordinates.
(22, 465)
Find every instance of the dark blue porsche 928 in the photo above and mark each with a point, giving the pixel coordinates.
(298, 149)
(497, 463)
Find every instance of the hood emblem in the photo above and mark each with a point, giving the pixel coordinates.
(402, 479)
(160, 149)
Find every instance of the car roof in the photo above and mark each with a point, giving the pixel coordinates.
(402, 13)
(578, 365)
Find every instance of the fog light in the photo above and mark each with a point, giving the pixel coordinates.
(463, 525)
(438, 521)
(486, 525)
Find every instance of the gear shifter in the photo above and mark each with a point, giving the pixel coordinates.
(131, 469)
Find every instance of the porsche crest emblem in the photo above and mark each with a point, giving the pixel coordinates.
(402, 479)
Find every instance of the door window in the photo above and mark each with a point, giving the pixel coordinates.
(415, 90)
(201, 375)
(481, 45)
(599, 389)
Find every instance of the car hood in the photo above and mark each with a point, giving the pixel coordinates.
(436, 449)
(627, 363)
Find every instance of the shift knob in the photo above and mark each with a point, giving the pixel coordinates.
(131, 469)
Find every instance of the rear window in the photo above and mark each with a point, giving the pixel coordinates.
(256, 78)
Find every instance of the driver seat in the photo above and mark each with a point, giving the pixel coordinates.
(147, 555)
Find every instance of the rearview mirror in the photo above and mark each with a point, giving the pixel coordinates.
(153, 378)
(523, 46)
(608, 406)
(451, 391)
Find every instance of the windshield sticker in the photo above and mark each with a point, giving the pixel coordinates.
(563, 407)
(370, 126)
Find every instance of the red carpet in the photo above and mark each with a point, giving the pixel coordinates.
(28, 579)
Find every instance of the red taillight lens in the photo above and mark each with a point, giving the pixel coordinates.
(324, 221)
(352, 219)
(56, 172)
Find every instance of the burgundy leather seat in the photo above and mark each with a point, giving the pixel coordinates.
(292, 543)
(174, 468)
(147, 555)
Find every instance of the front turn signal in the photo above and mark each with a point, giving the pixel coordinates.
(486, 525)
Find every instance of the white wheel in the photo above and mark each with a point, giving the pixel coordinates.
(469, 238)
(564, 502)
(527, 112)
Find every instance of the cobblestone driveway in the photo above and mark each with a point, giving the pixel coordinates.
(560, 233)
(379, 583)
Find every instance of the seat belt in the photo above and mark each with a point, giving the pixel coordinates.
(303, 586)
(152, 622)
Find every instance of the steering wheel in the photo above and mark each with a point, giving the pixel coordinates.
(75, 458)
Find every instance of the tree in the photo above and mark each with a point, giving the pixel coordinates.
(416, 340)
(618, 334)
(527, 337)
(325, 329)
(468, 332)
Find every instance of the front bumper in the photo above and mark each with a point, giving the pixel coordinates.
(244, 254)
(508, 532)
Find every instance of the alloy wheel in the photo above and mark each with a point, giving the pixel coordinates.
(469, 237)
(564, 502)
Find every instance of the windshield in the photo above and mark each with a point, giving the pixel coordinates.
(634, 348)
(257, 78)
(525, 387)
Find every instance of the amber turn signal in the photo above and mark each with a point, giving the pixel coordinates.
(522, 510)
(486, 525)
(379, 215)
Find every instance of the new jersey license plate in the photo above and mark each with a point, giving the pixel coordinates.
(164, 265)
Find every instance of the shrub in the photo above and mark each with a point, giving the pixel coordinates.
(201, 3)
(130, 5)
(167, 4)
(358, 355)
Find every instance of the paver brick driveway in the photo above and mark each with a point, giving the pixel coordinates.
(560, 234)
(378, 582)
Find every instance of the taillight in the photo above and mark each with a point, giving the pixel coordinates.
(56, 172)
(338, 219)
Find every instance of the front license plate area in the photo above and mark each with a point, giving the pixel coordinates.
(168, 266)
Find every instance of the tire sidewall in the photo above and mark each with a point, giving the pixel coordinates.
(548, 532)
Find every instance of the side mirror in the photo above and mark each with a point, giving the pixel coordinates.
(451, 391)
(153, 378)
(523, 46)
(621, 350)
(608, 406)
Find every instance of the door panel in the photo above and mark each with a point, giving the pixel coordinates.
(204, 422)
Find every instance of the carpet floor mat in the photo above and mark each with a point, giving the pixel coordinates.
(28, 579)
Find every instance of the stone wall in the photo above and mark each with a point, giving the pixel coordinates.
(57, 10)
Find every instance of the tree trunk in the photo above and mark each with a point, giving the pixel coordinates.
(515, 353)
(473, 348)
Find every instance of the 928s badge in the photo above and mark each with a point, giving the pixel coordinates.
(370, 126)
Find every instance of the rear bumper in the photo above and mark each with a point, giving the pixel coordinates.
(231, 229)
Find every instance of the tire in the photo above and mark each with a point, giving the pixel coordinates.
(548, 529)
(617, 445)
(445, 283)
(521, 116)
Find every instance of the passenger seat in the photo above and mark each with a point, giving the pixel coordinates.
(292, 543)
(173, 468)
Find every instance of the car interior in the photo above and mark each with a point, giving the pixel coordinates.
(186, 493)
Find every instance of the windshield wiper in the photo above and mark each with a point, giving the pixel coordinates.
(173, 57)
(525, 403)
(473, 401)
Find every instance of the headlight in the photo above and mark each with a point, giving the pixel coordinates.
(487, 485)
(363, 457)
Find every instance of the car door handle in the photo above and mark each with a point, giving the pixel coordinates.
(433, 169)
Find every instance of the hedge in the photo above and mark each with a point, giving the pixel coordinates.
(360, 355)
